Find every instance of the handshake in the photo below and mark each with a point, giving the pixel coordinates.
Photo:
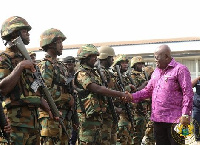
(127, 97)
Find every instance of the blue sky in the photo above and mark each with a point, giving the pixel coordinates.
(90, 21)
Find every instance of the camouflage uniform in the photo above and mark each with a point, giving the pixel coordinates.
(3, 141)
(139, 114)
(71, 61)
(22, 102)
(109, 132)
(54, 76)
(149, 138)
(91, 105)
(124, 136)
(139, 108)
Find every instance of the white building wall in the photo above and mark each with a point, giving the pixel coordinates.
(193, 64)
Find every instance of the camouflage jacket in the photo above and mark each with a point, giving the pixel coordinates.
(126, 85)
(138, 78)
(93, 103)
(109, 77)
(22, 93)
(126, 82)
(53, 74)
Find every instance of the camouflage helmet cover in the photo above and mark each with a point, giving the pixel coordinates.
(136, 59)
(119, 58)
(49, 36)
(105, 51)
(87, 50)
(13, 24)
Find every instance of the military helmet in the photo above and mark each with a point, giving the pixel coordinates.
(49, 36)
(105, 51)
(136, 59)
(119, 58)
(87, 50)
(13, 24)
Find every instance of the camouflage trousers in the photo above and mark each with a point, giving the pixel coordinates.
(124, 130)
(107, 130)
(25, 136)
(25, 125)
(90, 132)
(139, 128)
(114, 134)
(149, 138)
(52, 133)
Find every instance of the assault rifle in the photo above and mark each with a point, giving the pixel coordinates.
(122, 87)
(110, 100)
(130, 78)
(39, 82)
(3, 123)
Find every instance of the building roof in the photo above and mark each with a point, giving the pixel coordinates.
(125, 43)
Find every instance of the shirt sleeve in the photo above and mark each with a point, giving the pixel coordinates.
(144, 93)
(84, 79)
(46, 69)
(184, 80)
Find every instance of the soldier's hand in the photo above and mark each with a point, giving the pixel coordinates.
(133, 88)
(127, 97)
(27, 64)
(185, 120)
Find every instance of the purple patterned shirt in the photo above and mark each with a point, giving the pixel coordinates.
(171, 92)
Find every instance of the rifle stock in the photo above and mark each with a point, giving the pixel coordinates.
(122, 87)
(130, 78)
(40, 82)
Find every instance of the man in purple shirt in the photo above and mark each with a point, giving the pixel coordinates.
(171, 91)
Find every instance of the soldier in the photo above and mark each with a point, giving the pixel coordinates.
(4, 140)
(21, 101)
(55, 79)
(124, 136)
(148, 139)
(109, 133)
(90, 96)
(137, 63)
(70, 64)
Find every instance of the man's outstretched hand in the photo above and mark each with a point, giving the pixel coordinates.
(127, 97)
